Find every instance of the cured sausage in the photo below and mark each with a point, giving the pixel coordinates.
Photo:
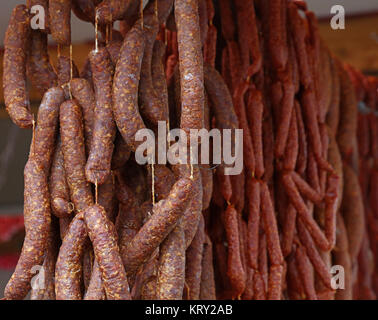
(166, 214)
(42, 147)
(221, 100)
(149, 101)
(72, 136)
(171, 274)
(14, 76)
(98, 164)
(83, 94)
(39, 68)
(207, 276)
(37, 220)
(64, 71)
(95, 290)
(103, 236)
(254, 110)
(235, 270)
(158, 76)
(68, 270)
(191, 65)
(254, 199)
(121, 153)
(60, 15)
(126, 84)
(112, 10)
(193, 263)
(352, 211)
(59, 192)
(85, 9)
(239, 105)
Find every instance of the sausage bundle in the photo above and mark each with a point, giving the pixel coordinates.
(105, 227)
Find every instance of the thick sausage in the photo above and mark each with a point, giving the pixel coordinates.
(68, 270)
(72, 136)
(191, 65)
(60, 193)
(39, 68)
(103, 236)
(14, 76)
(98, 165)
(83, 94)
(37, 219)
(193, 263)
(150, 106)
(47, 128)
(125, 86)
(171, 274)
(165, 216)
(60, 15)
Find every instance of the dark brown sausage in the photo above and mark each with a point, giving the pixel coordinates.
(191, 65)
(353, 211)
(171, 274)
(235, 269)
(103, 236)
(166, 214)
(207, 277)
(39, 69)
(37, 219)
(125, 86)
(43, 143)
(193, 263)
(68, 270)
(60, 15)
(95, 290)
(14, 76)
(98, 165)
(219, 95)
(149, 100)
(83, 94)
(60, 194)
(64, 70)
(72, 136)
(112, 10)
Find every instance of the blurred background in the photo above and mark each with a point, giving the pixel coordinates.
(357, 45)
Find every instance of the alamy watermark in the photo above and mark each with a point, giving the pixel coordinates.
(338, 19)
(38, 22)
(38, 281)
(175, 147)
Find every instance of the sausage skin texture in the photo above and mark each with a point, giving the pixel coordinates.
(100, 156)
(37, 219)
(171, 273)
(221, 99)
(191, 64)
(103, 236)
(68, 270)
(126, 84)
(60, 14)
(72, 135)
(84, 95)
(60, 194)
(47, 128)
(14, 64)
(149, 100)
(39, 69)
(165, 216)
